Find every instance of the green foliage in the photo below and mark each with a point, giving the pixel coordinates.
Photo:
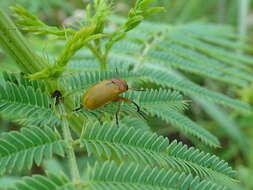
(162, 61)
(168, 78)
(20, 80)
(167, 106)
(24, 101)
(75, 43)
(231, 128)
(32, 23)
(20, 149)
(102, 10)
(145, 147)
(39, 182)
(133, 176)
(139, 12)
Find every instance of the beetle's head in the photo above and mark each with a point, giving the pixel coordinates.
(121, 84)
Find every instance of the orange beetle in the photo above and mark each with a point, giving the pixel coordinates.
(106, 91)
(103, 92)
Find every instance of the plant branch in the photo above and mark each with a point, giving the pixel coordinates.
(17, 47)
(70, 151)
(101, 58)
(222, 11)
(243, 11)
(148, 45)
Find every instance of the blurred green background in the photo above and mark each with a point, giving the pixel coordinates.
(61, 12)
(238, 13)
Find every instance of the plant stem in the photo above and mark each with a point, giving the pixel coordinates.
(102, 58)
(151, 42)
(222, 11)
(28, 61)
(70, 151)
(17, 47)
(242, 22)
(103, 63)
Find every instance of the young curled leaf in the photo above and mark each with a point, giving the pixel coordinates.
(153, 10)
(31, 23)
(133, 22)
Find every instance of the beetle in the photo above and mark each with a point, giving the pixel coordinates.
(106, 91)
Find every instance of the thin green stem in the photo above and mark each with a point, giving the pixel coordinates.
(70, 151)
(243, 11)
(17, 47)
(222, 11)
(146, 48)
(242, 15)
(100, 57)
(14, 44)
(103, 64)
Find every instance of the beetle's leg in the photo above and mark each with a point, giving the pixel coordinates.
(131, 101)
(117, 71)
(139, 111)
(78, 109)
(117, 115)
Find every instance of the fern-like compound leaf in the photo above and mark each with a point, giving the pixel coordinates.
(202, 59)
(166, 105)
(52, 181)
(18, 150)
(134, 176)
(229, 126)
(19, 80)
(169, 79)
(168, 58)
(160, 97)
(25, 104)
(122, 144)
(32, 23)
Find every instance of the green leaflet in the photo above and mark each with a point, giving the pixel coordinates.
(167, 105)
(170, 79)
(132, 176)
(53, 181)
(128, 143)
(18, 150)
(25, 104)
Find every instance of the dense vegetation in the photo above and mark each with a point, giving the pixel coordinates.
(196, 97)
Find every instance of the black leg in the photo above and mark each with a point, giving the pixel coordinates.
(142, 114)
(139, 111)
(117, 72)
(117, 115)
(117, 119)
(78, 109)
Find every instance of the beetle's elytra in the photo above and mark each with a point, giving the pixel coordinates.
(103, 92)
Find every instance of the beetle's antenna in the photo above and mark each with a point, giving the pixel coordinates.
(136, 89)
